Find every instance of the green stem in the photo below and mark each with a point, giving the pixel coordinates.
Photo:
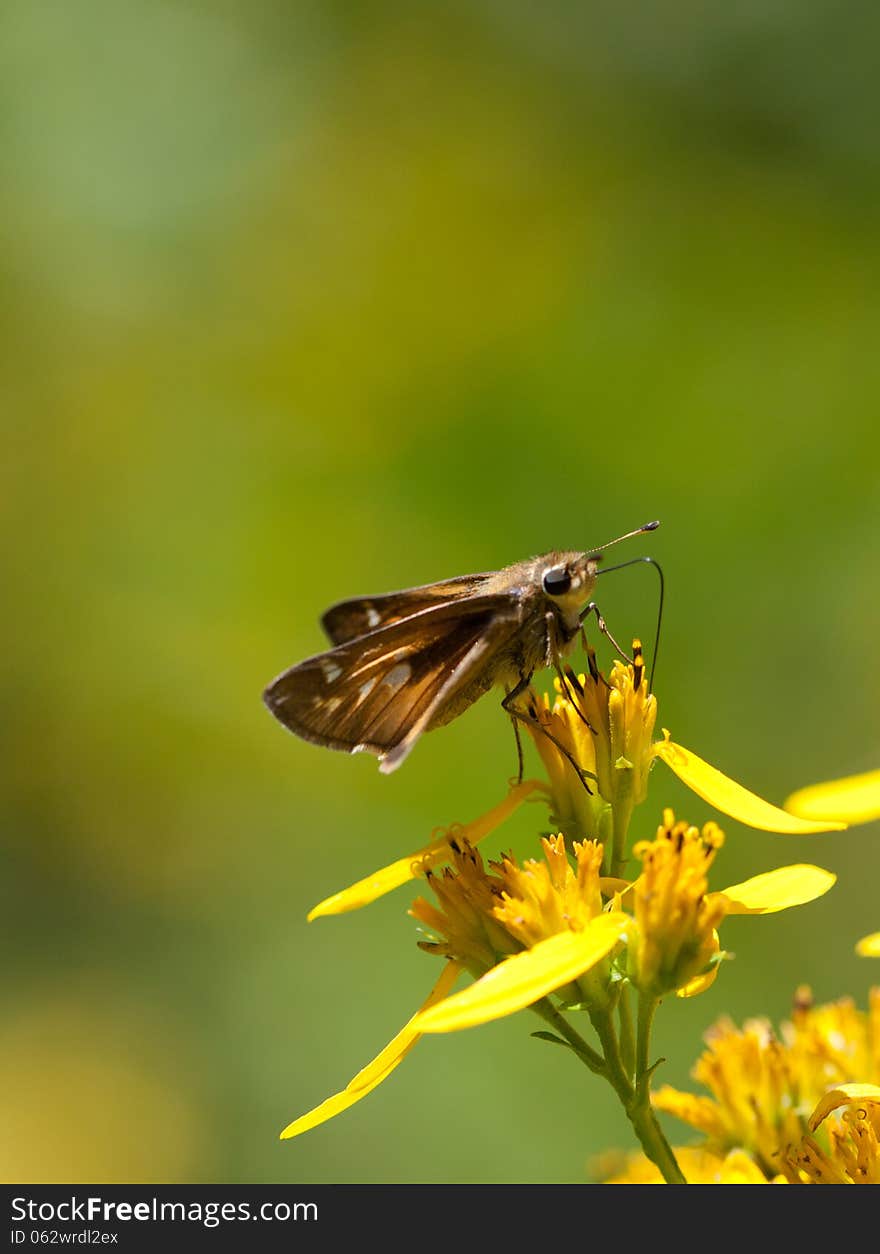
(616, 1071)
(627, 1034)
(636, 1097)
(647, 1009)
(641, 1114)
(621, 814)
(654, 1143)
(588, 1056)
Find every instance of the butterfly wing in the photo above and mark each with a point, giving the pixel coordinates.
(378, 693)
(349, 619)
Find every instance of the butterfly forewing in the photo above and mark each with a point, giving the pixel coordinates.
(379, 693)
(358, 617)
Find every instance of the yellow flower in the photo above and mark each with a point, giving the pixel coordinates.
(465, 914)
(555, 913)
(765, 1086)
(674, 943)
(544, 928)
(548, 908)
(755, 1103)
(853, 799)
(577, 813)
(852, 1153)
(833, 1044)
(869, 946)
(533, 931)
(675, 938)
(607, 726)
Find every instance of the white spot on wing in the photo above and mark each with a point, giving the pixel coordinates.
(374, 618)
(397, 676)
(401, 651)
(330, 670)
(366, 688)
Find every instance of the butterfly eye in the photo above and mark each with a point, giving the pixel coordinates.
(556, 581)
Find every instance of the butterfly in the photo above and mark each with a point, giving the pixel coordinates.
(406, 662)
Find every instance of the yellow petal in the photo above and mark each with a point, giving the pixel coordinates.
(415, 864)
(856, 798)
(844, 1095)
(525, 978)
(731, 798)
(699, 983)
(778, 890)
(701, 1113)
(869, 946)
(379, 1069)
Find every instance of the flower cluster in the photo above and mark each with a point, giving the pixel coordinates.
(662, 927)
(569, 932)
(801, 1106)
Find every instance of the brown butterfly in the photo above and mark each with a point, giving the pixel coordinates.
(410, 661)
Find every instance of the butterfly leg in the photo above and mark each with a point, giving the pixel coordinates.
(519, 753)
(593, 608)
(532, 721)
(511, 696)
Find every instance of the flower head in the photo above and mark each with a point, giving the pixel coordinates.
(484, 916)
(675, 938)
(463, 920)
(847, 1151)
(764, 1086)
(851, 1154)
(606, 725)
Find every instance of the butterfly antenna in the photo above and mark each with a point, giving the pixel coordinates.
(651, 526)
(651, 562)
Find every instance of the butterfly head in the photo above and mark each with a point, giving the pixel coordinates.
(570, 581)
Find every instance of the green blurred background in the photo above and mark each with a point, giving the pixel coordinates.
(308, 300)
